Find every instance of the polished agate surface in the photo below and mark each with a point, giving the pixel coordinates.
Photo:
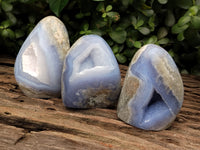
(91, 75)
(39, 63)
(152, 94)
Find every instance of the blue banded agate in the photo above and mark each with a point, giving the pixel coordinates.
(91, 75)
(152, 94)
(39, 63)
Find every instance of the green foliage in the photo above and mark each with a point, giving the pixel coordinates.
(17, 19)
(57, 5)
(126, 25)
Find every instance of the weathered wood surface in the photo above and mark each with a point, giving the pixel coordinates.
(31, 124)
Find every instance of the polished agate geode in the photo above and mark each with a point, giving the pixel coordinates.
(152, 94)
(91, 75)
(39, 63)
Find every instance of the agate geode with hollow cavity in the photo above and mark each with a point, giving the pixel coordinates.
(152, 94)
(39, 63)
(91, 75)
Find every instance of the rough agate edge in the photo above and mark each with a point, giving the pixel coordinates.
(91, 75)
(39, 63)
(152, 94)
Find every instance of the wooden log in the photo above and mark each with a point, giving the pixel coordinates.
(30, 123)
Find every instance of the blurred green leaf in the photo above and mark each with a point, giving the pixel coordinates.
(124, 23)
(110, 42)
(113, 15)
(82, 32)
(148, 12)
(32, 19)
(194, 10)
(170, 19)
(8, 33)
(129, 42)
(176, 29)
(162, 1)
(6, 6)
(57, 5)
(104, 15)
(139, 23)
(6, 23)
(171, 53)
(185, 4)
(125, 2)
(162, 32)
(79, 15)
(121, 58)
(19, 34)
(99, 23)
(144, 30)
(118, 36)
(101, 7)
(137, 44)
(180, 36)
(151, 22)
(184, 71)
(128, 53)
(133, 20)
(152, 40)
(85, 26)
(195, 22)
(11, 17)
(108, 8)
(183, 20)
(115, 49)
(121, 48)
(97, 31)
(163, 41)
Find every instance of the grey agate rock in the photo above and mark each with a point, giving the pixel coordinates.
(153, 91)
(91, 75)
(39, 63)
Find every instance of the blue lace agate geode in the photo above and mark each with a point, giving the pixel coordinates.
(39, 63)
(152, 94)
(91, 75)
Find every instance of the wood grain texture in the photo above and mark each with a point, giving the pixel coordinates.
(30, 123)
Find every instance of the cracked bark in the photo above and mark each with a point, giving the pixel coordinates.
(21, 138)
